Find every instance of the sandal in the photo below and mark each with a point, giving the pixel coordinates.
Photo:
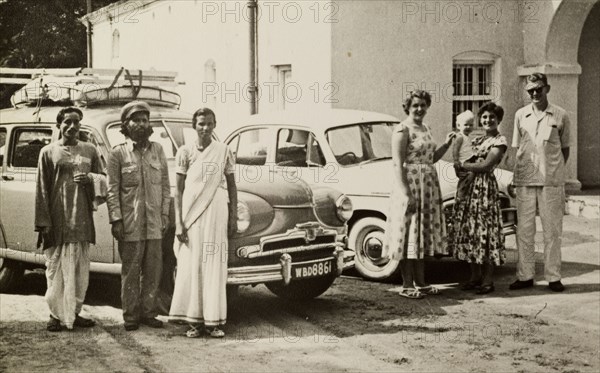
(411, 293)
(193, 332)
(430, 290)
(215, 332)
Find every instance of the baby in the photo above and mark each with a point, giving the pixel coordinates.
(462, 150)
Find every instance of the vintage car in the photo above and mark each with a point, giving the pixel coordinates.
(351, 151)
(289, 236)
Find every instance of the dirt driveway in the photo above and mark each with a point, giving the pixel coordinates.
(355, 326)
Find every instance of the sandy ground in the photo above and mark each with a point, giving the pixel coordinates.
(355, 326)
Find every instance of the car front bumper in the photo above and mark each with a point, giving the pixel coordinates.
(282, 271)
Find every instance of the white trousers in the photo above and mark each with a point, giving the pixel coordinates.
(67, 277)
(551, 204)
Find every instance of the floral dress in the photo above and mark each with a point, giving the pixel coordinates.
(412, 236)
(475, 234)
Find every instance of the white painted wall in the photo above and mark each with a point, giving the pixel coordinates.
(384, 49)
(296, 33)
(182, 35)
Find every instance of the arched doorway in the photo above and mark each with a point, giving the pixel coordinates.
(588, 107)
(561, 62)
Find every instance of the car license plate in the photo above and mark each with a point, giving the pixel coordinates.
(309, 270)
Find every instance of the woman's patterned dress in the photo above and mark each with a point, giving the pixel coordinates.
(412, 236)
(475, 234)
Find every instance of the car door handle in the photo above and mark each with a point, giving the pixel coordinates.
(8, 177)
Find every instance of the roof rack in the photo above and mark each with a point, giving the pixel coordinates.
(86, 86)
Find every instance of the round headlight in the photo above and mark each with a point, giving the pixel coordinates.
(243, 222)
(344, 208)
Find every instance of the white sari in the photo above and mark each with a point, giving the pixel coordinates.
(200, 285)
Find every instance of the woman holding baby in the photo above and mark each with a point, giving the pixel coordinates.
(475, 234)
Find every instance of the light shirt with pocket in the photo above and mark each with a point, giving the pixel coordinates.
(539, 141)
(139, 191)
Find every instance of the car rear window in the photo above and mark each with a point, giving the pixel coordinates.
(27, 146)
(170, 134)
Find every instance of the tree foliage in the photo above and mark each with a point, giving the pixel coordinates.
(42, 33)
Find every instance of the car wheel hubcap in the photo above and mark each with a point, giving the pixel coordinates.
(373, 247)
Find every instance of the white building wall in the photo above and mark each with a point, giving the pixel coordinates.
(385, 49)
(296, 33)
(183, 35)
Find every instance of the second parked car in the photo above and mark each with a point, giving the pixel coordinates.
(351, 151)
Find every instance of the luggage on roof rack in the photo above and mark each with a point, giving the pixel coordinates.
(90, 86)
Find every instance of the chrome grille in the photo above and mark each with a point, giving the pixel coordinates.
(295, 242)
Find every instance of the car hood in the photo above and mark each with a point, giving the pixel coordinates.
(280, 189)
(277, 188)
(377, 178)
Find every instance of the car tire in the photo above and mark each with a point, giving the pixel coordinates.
(301, 289)
(11, 273)
(366, 238)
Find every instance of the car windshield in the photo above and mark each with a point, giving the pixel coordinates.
(170, 134)
(361, 143)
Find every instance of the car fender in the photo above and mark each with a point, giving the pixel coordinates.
(376, 202)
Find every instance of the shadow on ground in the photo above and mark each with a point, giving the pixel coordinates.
(363, 306)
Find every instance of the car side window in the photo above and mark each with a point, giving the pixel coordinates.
(346, 144)
(292, 148)
(2, 145)
(28, 143)
(298, 148)
(251, 147)
(315, 155)
(233, 145)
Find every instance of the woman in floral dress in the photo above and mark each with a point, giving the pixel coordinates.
(415, 224)
(476, 233)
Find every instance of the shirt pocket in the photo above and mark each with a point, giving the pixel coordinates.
(155, 173)
(550, 133)
(129, 176)
(82, 164)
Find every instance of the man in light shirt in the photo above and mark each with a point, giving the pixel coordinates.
(542, 137)
(138, 205)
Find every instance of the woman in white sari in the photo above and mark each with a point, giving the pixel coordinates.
(205, 216)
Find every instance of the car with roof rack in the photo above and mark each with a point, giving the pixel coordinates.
(290, 236)
(349, 150)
